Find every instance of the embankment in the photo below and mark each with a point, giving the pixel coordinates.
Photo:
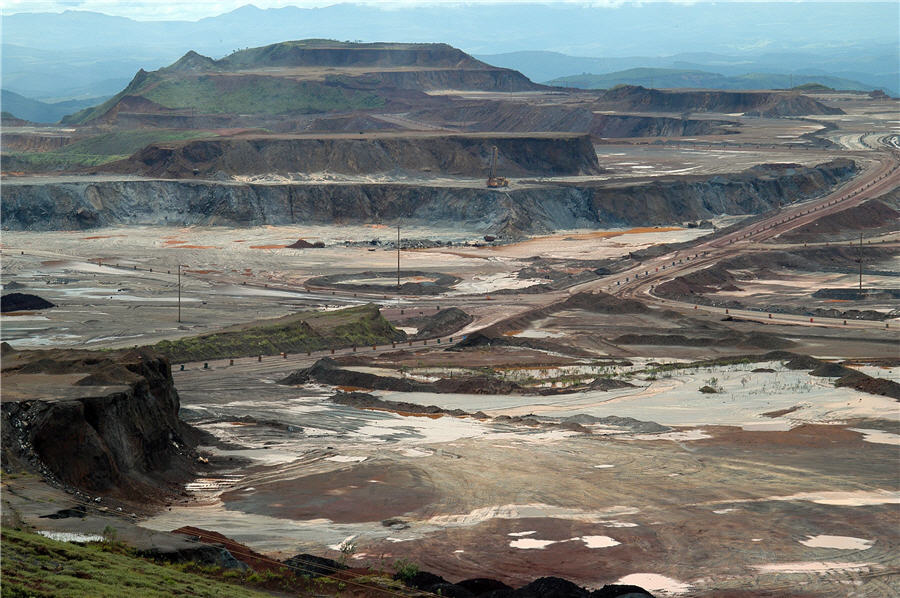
(513, 212)
(96, 421)
(304, 331)
(560, 154)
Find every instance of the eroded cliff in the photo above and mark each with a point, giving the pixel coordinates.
(96, 421)
(512, 212)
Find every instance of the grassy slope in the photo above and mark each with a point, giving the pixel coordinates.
(92, 151)
(252, 94)
(38, 567)
(305, 331)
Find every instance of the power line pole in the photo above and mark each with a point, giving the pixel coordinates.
(179, 292)
(398, 258)
(860, 262)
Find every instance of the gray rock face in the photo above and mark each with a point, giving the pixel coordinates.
(511, 213)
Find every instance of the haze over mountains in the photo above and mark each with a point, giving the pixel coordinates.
(77, 55)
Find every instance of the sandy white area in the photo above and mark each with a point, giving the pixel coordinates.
(599, 541)
(655, 583)
(531, 543)
(345, 459)
(70, 536)
(878, 436)
(839, 542)
(810, 567)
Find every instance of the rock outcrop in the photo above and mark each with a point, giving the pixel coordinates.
(96, 421)
(511, 213)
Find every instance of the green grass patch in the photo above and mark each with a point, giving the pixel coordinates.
(34, 566)
(94, 151)
(256, 94)
(304, 331)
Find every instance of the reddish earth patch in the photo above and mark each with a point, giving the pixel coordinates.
(343, 496)
(171, 241)
(54, 263)
(254, 560)
(19, 313)
(240, 241)
(803, 436)
(200, 271)
(268, 246)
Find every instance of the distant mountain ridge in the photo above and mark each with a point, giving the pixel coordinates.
(41, 112)
(81, 54)
(681, 79)
(297, 77)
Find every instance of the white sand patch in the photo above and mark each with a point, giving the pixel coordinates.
(410, 330)
(412, 452)
(810, 567)
(420, 430)
(860, 498)
(70, 536)
(598, 541)
(878, 436)
(697, 434)
(655, 583)
(723, 511)
(345, 459)
(531, 543)
(343, 544)
(520, 534)
(840, 542)
(619, 524)
(525, 511)
(486, 283)
(531, 333)
(603, 466)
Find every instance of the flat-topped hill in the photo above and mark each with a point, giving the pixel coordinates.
(301, 77)
(757, 103)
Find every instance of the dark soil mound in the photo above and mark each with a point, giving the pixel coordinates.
(481, 585)
(442, 323)
(762, 371)
(551, 587)
(308, 564)
(327, 371)
(866, 383)
(620, 591)
(301, 244)
(832, 370)
(604, 303)
(609, 384)
(803, 362)
(23, 302)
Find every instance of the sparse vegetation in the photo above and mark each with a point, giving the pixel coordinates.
(305, 331)
(405, 569)
(34, 566)
(94, 151)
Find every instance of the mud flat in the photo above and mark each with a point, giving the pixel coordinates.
(582, 506)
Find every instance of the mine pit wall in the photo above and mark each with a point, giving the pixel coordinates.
(456, 155)
(513, 212)
(126, 443)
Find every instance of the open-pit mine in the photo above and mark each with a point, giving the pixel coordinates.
(272, 297)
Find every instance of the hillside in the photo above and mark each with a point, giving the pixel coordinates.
(699, 79)
(757, 103)
(41, 112)
(301, 77)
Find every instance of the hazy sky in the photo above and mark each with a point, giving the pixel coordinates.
(198, 9)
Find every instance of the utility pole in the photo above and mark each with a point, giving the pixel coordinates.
(398, 258)
(860, 262)
(179, 292)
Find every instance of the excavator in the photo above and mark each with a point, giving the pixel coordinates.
(495, 181)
